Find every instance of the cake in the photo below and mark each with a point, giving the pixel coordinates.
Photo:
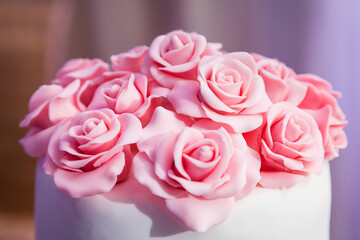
(182, 140)
(301, 212)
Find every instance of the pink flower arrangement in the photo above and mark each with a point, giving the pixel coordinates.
(198, 127)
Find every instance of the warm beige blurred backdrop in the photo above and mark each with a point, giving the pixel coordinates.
(23, 30)
(38, 36)
(33, 38)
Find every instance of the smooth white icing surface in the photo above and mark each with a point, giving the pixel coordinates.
(131, 212)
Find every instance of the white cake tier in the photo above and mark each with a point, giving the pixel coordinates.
(130, 212)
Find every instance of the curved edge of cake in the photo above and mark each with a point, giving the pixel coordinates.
(301, 212)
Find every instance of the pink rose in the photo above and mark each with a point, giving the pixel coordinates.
(90, 153)
(131, 60)
(290, 145)
(194, 168)
(321, 102)
(48, 106)
(258, 57)
(88, 71)
(174, 56)
(229, 90)
(279, 80)
(82, 69)
(126, 93)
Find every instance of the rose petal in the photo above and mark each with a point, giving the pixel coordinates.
(129, 61)
(180, 55)
(239, 123)
(226, 149)
(167, 79)
(297, 92)
(163, 158)
(82, 69)
(163, 121)
(199, 188)
(130, 129)
(43, 94)
(48, 165)
(144, 174)
(36, 141)
(252, 172)
(62, 106)
(184, 98)
(237, 172)
(90, 183)
(186, 137)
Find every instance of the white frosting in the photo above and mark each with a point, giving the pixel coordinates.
(130, 212)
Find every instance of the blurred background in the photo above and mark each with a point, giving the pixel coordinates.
(37, 37)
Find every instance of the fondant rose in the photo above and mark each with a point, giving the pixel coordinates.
(174, 56)
(82, 69)
(257, 57)
(126, 93)
(88, 71)
(279, 80)
(48, 106)
(290, 146)
(194, 168)
(229, 90)
(131, 60)
(321, 102)
(90, 153)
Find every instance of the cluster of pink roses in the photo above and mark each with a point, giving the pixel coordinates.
(197, 126)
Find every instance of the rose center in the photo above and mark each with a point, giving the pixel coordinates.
(175, 43)
(199, 159)
(94, 127)
(222, 78)
(278, 70)
(228, 76)
(90, 125)
(112, 91)
(293, 131)
(203, 153)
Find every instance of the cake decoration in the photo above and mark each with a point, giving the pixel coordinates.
(197, 126)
